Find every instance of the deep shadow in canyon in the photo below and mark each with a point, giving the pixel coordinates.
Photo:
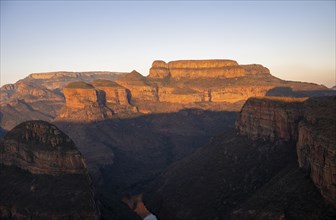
(233, 177)
(125, 155)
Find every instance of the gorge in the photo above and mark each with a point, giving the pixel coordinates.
(198, 139)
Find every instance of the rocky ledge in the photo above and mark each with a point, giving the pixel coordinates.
(203, 69)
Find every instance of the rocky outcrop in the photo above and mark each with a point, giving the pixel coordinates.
(316, 146)
(140, 88)
(310, 123)
(6, 91)
(193, 69)
(236, 94)
(255, 69)
(271, 118)
(41, 148)
(62, 187)
(114, 93)
(84, 103)
(159, 70)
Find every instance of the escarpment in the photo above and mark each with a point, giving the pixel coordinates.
(310, 123)
(207, 84)
(316, 145)
(43, 175)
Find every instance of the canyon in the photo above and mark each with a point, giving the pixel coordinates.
(280, 142)
(181, 137)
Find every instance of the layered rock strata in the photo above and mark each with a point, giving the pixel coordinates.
(140, 88)
(194, 69)
(114, 93)
(316, 145)
(271, 118)
(84, 102)
(310, 123)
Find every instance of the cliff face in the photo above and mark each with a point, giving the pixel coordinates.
(274, 133)
(196, 69)
(62, 188)
(84, 102)
(140, 88)
(114, 93)
(271, 118)
(310, 123)
(41, 148)
(316, 146)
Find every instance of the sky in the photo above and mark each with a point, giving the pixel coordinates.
(294, 39)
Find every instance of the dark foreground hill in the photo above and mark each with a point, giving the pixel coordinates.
(43, 175)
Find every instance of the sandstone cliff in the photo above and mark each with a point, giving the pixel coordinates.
(316, 146)
(271, 118)
(196, 69)
(310, 123)
(62, 187)
(114, 93)
(141, 89)
(84, 103)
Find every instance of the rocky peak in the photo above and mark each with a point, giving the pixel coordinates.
(41, 135)
(159, 70)
(133, 77)
(41, 148)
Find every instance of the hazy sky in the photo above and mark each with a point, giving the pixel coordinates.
(295, 40)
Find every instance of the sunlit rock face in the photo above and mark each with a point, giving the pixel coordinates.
(140, 87)
(114, 93)
(196, 69)
(84, 103)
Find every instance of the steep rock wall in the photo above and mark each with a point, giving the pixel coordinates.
(316, 146)
(311, 123)
(270, 118)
